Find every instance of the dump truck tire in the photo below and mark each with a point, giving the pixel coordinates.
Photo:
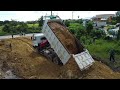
(57, 61)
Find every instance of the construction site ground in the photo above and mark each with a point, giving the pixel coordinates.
(22, 61)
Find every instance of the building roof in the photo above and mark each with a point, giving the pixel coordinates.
(104, 15)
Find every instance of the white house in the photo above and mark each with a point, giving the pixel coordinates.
(100, 20)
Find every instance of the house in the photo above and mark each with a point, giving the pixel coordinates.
(118, 13)
(101, 20)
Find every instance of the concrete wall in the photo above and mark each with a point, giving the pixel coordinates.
(99, 24)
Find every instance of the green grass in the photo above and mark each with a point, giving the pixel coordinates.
(1, 28)
(32, 28)
(33, 25)
(1, 32)
(101, 50)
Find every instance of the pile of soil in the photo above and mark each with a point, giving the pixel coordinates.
(101, 71)
(64, 36)
(70, 70)
(97, 71)
(28, 64)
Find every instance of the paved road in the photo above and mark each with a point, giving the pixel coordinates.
(10, 36)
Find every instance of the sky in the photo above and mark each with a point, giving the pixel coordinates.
(35, 15)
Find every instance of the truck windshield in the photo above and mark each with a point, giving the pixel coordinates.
(43, 38)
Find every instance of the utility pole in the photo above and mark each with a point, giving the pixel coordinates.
(72, 14)
(51, 13)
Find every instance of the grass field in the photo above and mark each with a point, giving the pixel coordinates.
(1, 32)
(32, 28)
(33, 25)
(101, 48)
(1, 28)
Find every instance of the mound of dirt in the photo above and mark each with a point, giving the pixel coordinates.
(28, 64)
(97, 71)
(70, 70)
(101, 71)
(64, 36)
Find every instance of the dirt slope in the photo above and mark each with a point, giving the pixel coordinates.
(26, 63)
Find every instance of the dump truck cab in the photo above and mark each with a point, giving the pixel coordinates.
(37, 38)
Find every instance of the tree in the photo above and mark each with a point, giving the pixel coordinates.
(6, 22)
(23, 28)
(79, 21)
(40, 21)
(1, 23)
(13, 30)
(89, 27)
(115, 19)
(13, 23)
(67, 23)
(77, 29)
(6, 28)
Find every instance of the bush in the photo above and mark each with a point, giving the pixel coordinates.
(77, 29)
(67, 23)
(83, 39)
(3, 33)
(89, 27)
(108, 38)
(97, 33)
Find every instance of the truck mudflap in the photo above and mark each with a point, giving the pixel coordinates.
(84, 60)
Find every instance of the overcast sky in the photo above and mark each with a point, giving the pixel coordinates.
(34, 15)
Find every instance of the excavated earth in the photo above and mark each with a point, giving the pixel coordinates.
(22, 61)
(64, 36)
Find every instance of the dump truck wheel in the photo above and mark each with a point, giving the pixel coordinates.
(60, 63)
(56, 60)
(50, 57)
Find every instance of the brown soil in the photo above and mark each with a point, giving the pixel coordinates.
(64, 36)
(27, 63)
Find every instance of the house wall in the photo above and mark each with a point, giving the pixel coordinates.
(84, 23)
(99, 24)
